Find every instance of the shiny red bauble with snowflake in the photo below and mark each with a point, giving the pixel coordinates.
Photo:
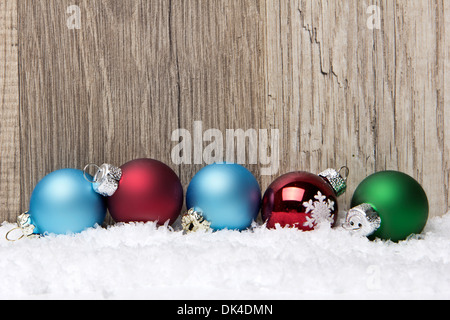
(301, 200)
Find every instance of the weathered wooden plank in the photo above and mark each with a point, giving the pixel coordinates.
(106, 92)
(9, 113)
(350, 94)
(446, 95)
(315, 88)
(219, 50)
(411, 127)
(115, 89)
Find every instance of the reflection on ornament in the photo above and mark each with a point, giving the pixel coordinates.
(304, 200)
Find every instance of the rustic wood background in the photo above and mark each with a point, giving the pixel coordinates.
(340, 92)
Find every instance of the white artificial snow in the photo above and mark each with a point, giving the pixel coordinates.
(142, 261)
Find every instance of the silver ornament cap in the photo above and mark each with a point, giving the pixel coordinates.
(194, 221)
(337, 179)
(24, 224)
(106, 180)
(362, 220)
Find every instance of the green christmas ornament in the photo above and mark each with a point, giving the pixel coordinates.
(389, 205)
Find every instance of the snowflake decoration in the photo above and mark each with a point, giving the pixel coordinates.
(321, 211)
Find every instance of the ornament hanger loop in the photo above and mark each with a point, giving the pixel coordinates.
(344, 172)
(14, 240)
(85, 171)
(24, 224)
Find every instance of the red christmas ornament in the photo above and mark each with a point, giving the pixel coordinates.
(142, 190)
(303, 200)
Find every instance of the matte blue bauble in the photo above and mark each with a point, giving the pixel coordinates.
(228, 195)
(64, 202)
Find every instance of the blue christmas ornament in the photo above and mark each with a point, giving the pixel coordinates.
(63, 202)
(222, 196)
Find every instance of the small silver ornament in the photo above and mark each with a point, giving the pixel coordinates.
(193, 221)
(362, 220)
(24, 224)
(337, 179)
(106, 180)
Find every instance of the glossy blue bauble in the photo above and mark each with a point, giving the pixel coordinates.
(228, 195)
(64, 202)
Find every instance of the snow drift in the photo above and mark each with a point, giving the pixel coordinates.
(143, 261)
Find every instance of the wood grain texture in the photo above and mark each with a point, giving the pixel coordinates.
(114, 90)
(369, 99)
(9, 113)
